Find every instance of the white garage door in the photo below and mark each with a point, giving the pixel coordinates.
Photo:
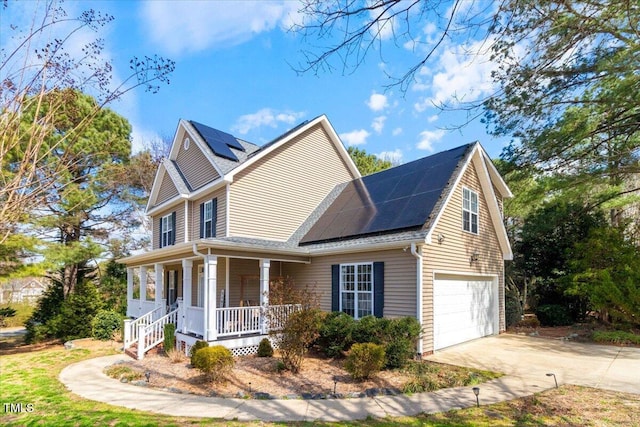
(464, 308)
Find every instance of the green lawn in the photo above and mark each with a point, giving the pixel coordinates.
(32, 378)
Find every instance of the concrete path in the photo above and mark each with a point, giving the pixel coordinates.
(14, 331)
(87, 380)
(524, 360)
(591, 365)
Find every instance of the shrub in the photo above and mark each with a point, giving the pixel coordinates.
(214, 362)
(296, 336)
(364, 360)
(194, 349)
(512, 311)
(370, 329)
(336, 333)
(264, 348)
(175, 355)
(400, 338)
(553, 315)
(529, 322)
(105, 323)
(169, 337)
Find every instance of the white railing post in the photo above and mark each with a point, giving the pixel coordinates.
(141, 340)
(127, 333)
(159, 269)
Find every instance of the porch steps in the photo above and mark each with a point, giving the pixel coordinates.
(146, 334)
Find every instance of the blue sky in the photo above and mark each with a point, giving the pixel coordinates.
(234, 71)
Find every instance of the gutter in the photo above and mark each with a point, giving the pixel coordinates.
(417, 253)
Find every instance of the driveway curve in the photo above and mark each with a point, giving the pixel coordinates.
(530, 358)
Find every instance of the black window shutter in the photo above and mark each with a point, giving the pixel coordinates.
(160, 233)
(335, 287)
(173, 228)
(214, 217)
(378, 289)
(201, 220)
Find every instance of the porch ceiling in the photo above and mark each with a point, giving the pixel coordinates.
(182, 251)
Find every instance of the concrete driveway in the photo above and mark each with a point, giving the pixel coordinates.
(599, 366)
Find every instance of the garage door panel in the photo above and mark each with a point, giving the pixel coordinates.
(465, 308)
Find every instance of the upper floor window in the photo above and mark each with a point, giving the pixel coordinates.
(208, 218)
(469, 210)
(167, 230)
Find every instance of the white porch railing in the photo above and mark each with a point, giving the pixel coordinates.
(153, 334)
(278, 314)
(138, 308)
(238, 320)
(131, 327)
(194, 320)
(235, 321)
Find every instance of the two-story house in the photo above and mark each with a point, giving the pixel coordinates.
(423, 239)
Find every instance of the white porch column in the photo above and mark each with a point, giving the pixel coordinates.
(143, 284)
(130, 282)
(210, 291)
(187, 283)
(265, 265)
(159, 269)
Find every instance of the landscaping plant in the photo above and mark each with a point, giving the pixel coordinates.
(215, 362)
(169, 337)
(365, 360)
(194, 349)
(264, 348)
(105, 324)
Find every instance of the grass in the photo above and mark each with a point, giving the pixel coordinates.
(32, 378)
(23, 313)
(616, 337)
(430, 376)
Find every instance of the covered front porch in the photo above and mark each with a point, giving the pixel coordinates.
(218, 296)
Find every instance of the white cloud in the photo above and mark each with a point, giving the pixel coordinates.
(395, 156)
(433, 118)
(265, 117)
(377, 102)
(462, 74)
(396, 131)
(192, 26)
(428, 138)
(378, 123)
(356, 137)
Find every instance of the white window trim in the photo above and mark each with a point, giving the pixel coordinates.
(471, 212)
(166, 222)
(355, 288)
(210, 219)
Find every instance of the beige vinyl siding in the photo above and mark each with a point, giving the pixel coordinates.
(399, 278)
(167, 190)
(453, 254)
(195, 166)
(179, 226)
(194, 209)
(272, 197)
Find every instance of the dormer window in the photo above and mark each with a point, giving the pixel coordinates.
(469, 210)
(208, 218)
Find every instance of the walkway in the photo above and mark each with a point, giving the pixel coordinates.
(524, 360)
(87, 380)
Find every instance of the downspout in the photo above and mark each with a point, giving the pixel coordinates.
(417, 252)
(205, 319)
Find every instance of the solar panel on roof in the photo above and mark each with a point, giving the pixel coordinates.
(218, 141)
(400, 198)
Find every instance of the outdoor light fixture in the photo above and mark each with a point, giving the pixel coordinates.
(440, 238)
(335, 384)
(473, 258)
(554, 378)
(476, 391)
(147, 375)
(249, 386)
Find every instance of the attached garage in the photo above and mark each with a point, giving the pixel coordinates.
(464, 308)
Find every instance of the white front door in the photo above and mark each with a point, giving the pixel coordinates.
(464, 308)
